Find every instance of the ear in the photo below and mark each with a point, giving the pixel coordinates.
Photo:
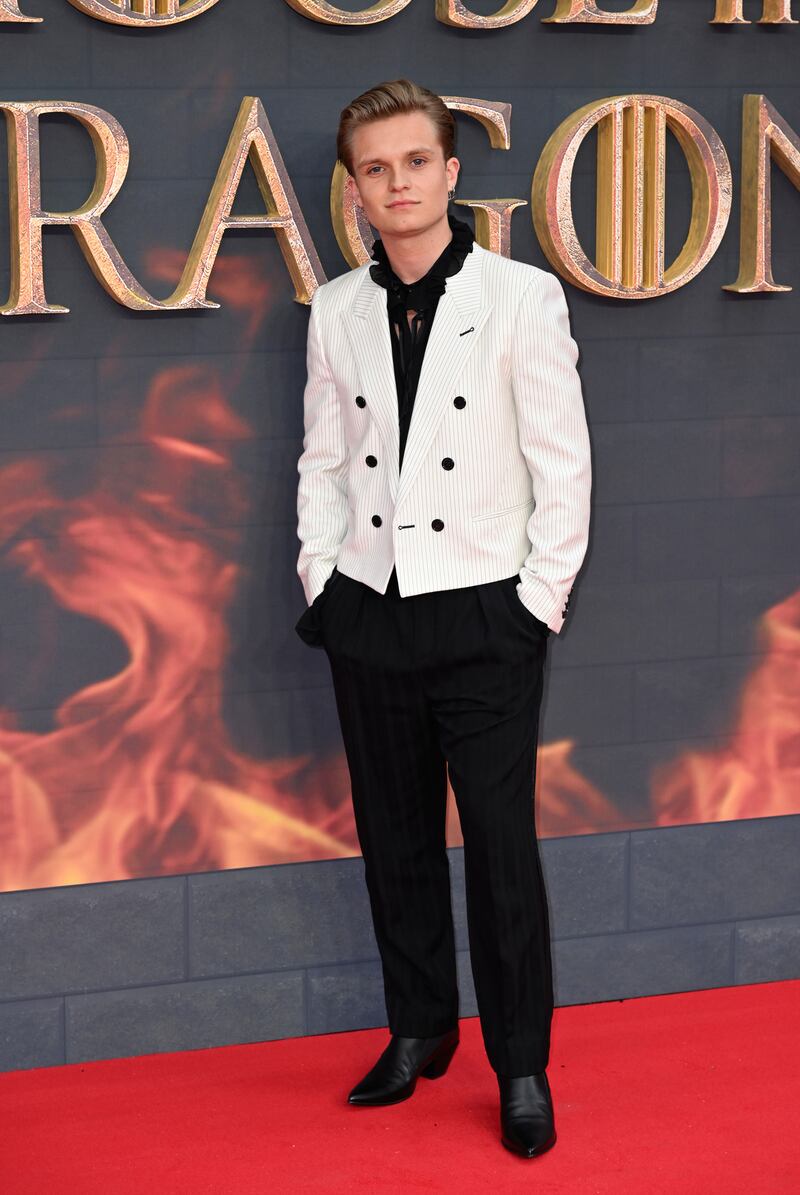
(353, 191)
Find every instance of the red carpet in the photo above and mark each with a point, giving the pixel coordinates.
(695, 1092)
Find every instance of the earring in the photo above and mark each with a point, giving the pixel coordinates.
(451, 194)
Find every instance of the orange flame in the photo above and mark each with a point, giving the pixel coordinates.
(139, 775)
(759, 775)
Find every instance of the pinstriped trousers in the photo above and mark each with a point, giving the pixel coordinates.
(435, 684)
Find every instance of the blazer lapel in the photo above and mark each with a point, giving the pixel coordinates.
(449, 346)
(367, 325)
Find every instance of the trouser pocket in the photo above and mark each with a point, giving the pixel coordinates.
(521, 611)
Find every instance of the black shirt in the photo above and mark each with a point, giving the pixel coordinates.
(422, 297)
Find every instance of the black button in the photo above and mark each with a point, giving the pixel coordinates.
(360, 400)
(371, 461)
(376, 520)
(437, 524)
(459, 401)
(448, 463)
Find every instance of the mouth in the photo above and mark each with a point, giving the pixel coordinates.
(403, 203)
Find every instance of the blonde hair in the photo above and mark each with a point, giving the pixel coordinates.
(389, 99)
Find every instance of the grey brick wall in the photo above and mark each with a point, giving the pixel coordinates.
(187, 962)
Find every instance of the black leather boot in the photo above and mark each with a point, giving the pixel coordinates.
(526, 1114)
(394, 1076)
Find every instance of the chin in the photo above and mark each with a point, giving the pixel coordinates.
(416, 214)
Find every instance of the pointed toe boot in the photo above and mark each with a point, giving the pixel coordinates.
(394, 1076)
(526, 1114)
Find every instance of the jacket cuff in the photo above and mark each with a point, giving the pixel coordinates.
(536, 596)
(315, 579)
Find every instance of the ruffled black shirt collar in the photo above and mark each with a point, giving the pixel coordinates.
(418, 295)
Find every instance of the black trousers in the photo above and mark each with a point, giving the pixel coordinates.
(448, 682)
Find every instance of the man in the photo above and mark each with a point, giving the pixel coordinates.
(437, 554)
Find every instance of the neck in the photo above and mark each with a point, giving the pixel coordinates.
(411, 255)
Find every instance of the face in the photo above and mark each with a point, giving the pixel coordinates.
(401, 178)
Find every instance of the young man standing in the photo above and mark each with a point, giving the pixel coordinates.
(438, 552)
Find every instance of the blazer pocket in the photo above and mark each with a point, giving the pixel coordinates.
(496, 514)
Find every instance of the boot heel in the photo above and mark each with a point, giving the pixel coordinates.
(440, 1061)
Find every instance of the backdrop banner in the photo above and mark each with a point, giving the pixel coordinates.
(173, 201)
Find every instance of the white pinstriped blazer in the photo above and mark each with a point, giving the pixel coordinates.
(498, 400)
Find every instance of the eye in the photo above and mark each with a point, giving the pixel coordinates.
(416, 159)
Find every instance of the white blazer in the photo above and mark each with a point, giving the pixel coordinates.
(496, 473)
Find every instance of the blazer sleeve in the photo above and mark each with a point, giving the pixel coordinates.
(554, 439)
(322, 505)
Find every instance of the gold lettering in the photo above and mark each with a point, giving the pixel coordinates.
(765, 137)
(631, 154)
(27, 218)
(328, 14)
(493, 222)
(643, 12)
(773, 12)
(351, 228)
(251, 137)
(143, 14)
(453, 12)
(10, 14)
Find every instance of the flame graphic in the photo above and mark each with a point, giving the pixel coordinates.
(759, 775)
(139, 776)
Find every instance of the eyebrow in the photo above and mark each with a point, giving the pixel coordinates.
(420, 149)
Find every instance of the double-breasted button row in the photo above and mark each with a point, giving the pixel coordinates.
(459, 401)
(447, 462)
